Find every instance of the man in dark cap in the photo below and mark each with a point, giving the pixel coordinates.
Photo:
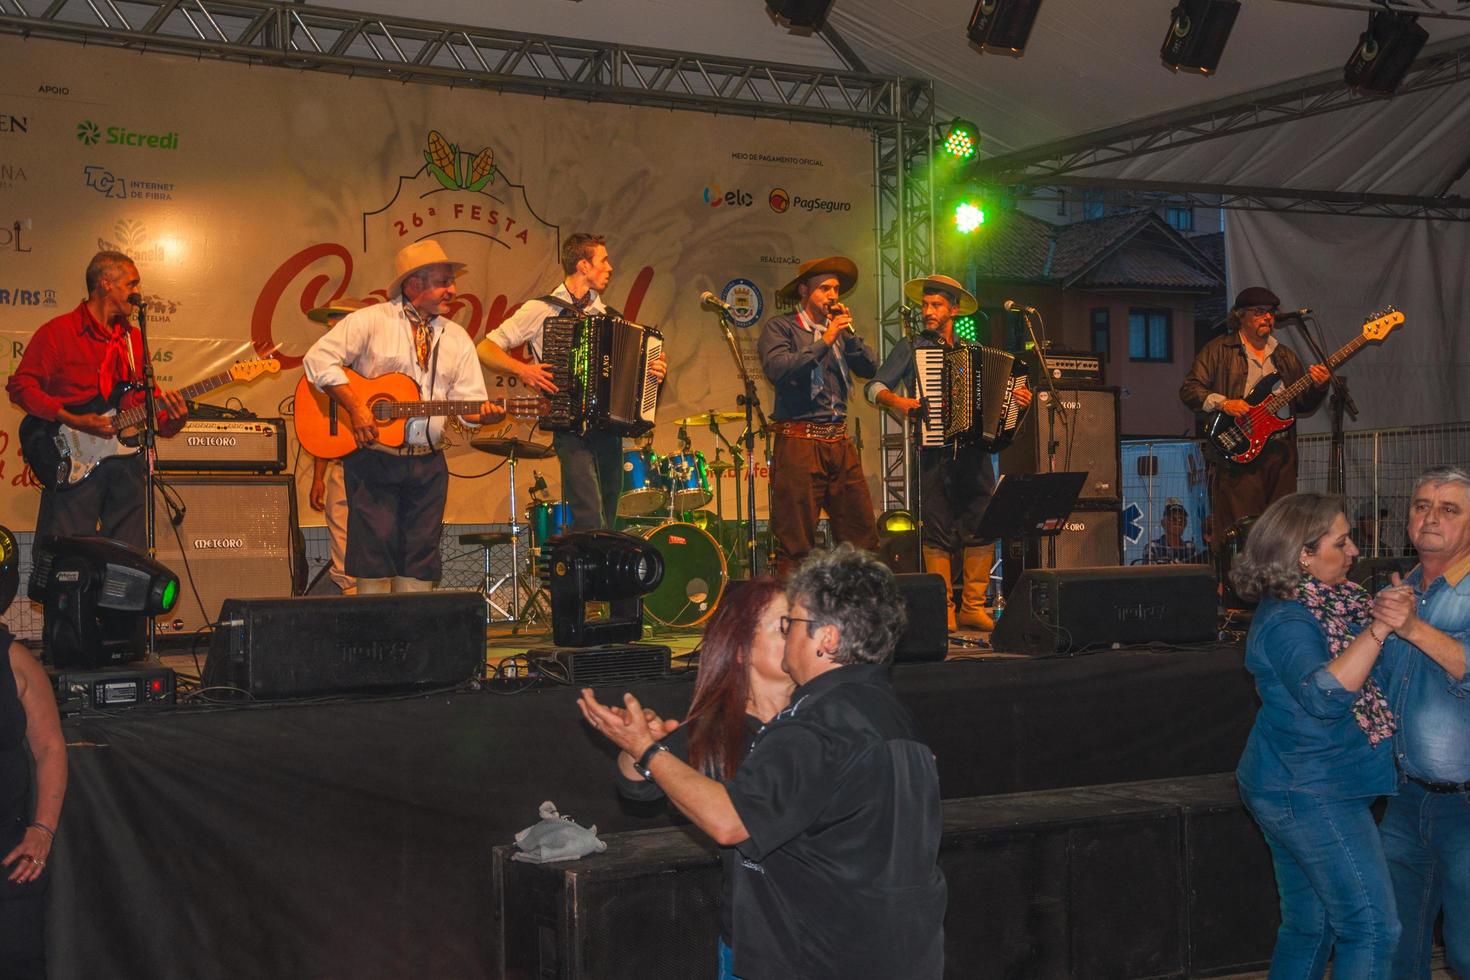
(956, 481)
(808, 354)
(1226, 370)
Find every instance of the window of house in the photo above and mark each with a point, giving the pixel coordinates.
(1101, 330)
(1150, 335)
(1180, 219)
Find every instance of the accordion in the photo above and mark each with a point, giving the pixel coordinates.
(969, 394)
(599, 365)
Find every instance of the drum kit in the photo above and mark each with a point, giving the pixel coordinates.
(664, 500)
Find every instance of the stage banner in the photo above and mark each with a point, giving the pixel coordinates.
(249, 195)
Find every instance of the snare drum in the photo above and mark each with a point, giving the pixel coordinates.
(694, 574)
(643, 489)
(547, 520)
(687, 479)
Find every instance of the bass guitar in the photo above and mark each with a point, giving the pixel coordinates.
(62, 456)
(325, 430)
(1240, 439)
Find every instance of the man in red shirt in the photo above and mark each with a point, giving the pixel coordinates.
(71, 363)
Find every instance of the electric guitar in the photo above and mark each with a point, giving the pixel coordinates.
(1241, 439)
(325, 430)
(62, 456)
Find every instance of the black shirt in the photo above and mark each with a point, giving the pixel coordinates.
(839, 876)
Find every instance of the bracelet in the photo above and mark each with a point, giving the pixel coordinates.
(1375, 636)
(50, 832)
(647, 757)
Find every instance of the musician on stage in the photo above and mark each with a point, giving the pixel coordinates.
(955, 481)
(1223, 374)
(809, 355)
(328, 486)
(591, 464)
(74, 359)
(396, 496)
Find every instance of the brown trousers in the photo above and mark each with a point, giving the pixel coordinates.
(1245, 491)
(807, 477)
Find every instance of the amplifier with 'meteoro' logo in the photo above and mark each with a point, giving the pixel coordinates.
(254, 445)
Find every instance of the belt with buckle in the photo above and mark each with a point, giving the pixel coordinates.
(404, 450)
(1437, 787)
(821, 431)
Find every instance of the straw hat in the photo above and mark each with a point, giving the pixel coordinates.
(964, 303)
(833, 265)
(335, 310)
(416, 256)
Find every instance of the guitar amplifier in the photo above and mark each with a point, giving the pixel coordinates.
(254, 445)
(1068, 367)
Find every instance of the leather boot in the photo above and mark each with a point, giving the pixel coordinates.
(374, 586)
(937, 562)
(976, 572)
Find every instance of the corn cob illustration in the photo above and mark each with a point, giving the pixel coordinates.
(443, 160)
(482, 168)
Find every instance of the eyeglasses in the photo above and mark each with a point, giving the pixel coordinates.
(786, 622)
(1260, 310)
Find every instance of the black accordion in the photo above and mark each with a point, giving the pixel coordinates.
(599, 365)
(969, 395)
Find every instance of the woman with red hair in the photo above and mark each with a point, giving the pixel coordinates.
(741, 685)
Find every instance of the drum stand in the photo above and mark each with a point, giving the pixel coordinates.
(512, 449)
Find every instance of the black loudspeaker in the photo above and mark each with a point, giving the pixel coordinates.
(1003, 24)
(1065, 611)
(277, 649)
(1089, 539)
(1198, 30)
(1086, 435)
(227, 537)
(926, 635)
(901, 551)
(800, 13)
(1385, 53)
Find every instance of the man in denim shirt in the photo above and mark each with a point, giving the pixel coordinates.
(1426, 831)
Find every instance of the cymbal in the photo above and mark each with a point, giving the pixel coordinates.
(706, 418)
(523, 448)
(720, 466)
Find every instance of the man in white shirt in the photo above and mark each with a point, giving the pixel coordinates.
(591, 464)
(396, 495)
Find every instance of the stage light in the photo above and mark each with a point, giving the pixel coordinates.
(1198, 30)
(1385, 53)
(894, 521)
(968, 216)
(967, 328)
(800, 13)
(1003, 25)
(963, 139)
(599, 566)
(97, 595)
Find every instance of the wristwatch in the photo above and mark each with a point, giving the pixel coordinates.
(643, 760)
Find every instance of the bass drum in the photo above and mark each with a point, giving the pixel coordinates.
(694, 574)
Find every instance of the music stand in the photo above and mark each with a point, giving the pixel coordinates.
(1025, 508)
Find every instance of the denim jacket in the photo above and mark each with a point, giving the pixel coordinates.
(1305, 737)
(1433, 712)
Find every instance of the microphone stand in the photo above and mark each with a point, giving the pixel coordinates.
(148, 437)
(1342, 400)
(751, 402)
(1054, 405)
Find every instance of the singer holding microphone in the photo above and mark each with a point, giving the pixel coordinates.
(1225, 371)
(808, 355)
(71, 365)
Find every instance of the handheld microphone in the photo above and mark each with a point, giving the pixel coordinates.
(834, 309)
(710, 301)
(135, 298)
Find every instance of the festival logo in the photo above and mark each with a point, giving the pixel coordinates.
(91, 134)
(779, 200)
(132, 240)
(11, 176)
(715, 197)
(109, 184)
(12, 239)
(17, 125)
(745, 302)
(19, 296)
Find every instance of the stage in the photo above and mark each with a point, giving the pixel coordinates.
(355, 838)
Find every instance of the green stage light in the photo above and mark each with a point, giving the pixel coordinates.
(963, 140)
(967, 329)
(968, 217)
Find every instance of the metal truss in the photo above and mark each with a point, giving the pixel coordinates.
(1153, 194)
(297, 36)
(1443, 9)
(905, 212)
(1445, 63)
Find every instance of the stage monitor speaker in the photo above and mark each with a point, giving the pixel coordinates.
(1089, 539)
(901, 551)
(1086, 435)
(278, 649)
(926, 634)
(226, 537)
(1067, 611)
